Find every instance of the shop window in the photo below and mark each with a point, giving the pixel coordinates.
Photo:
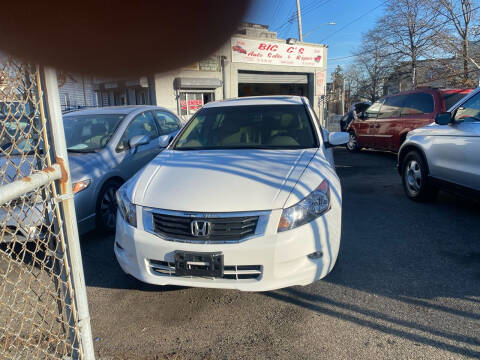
(190, 102)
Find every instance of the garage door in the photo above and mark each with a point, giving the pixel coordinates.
(271, 78)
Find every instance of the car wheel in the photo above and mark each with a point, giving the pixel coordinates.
(106, 209)
(415, 178)
(352, 144)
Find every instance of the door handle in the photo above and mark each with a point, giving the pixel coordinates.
(377, 126)
(371, 126)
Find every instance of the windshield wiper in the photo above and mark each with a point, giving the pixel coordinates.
(80, 151)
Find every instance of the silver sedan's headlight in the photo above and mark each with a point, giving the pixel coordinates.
(314, 205)
(128, 210)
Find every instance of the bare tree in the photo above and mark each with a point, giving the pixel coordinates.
(407, 26)
(373, 63)
(458, 16)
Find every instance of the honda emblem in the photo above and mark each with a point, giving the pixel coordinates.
(200, 228)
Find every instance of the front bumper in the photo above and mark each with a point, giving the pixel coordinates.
(281, 257)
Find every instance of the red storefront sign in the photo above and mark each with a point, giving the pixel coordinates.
(276, 53)
(192, 104)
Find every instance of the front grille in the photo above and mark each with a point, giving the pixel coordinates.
(221, 229)
(231, 272)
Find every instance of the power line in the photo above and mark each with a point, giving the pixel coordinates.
(310, 7)
(355, 20)
(277, 9)
(315, 7)
(399, 52)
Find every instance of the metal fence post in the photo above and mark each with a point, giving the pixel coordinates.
(70, 221)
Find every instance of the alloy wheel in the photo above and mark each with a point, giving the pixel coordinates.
(413, 177)
(352, 142)
(108, 208)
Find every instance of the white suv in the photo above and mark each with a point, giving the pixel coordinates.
(444, 154)
(246, 197)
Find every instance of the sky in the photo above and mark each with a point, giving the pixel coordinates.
(352, 18)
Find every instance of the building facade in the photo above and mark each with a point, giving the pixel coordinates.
(253, 62)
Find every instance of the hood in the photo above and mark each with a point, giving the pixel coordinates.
(221, 180)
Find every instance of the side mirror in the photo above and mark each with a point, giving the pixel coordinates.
(337, 138)
(138, 140)
(443, 118)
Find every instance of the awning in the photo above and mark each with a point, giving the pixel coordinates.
(196, 83)
(271, 78)
(119, 84)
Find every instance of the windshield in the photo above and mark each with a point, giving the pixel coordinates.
(86, 133)
(249, 127)
(15, 109)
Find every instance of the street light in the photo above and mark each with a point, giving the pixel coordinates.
(331, 23)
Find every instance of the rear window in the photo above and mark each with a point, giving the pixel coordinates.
(418, 103)
(249, 127)
(452, 98)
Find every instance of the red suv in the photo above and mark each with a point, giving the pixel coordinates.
(385, 124)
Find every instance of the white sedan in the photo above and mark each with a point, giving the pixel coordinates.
(246, 197)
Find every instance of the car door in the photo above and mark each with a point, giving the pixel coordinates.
(132, 160)
(168, 125)
(389, 123)
(455, 148)
(365, 126)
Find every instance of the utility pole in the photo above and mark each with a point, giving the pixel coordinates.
(299, 18)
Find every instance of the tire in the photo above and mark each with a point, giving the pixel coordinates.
(352, 144)
(106, 208)
(415, 178)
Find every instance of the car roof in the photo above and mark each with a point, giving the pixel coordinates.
(127, 109)
(455, 91)
(257, 100)
(431, 90)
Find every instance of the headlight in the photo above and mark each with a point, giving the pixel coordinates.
(127, 209)
(81, 185)
(314, 205)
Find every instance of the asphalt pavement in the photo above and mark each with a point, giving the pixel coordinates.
(406, 286)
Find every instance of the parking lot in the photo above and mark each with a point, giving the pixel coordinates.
(406, 286)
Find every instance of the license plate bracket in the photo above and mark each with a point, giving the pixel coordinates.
(198, 264)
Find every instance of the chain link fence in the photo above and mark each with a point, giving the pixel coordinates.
(39, 318)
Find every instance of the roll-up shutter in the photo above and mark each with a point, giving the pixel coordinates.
(272, 78)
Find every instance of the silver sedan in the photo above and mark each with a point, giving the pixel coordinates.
(106, 147)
